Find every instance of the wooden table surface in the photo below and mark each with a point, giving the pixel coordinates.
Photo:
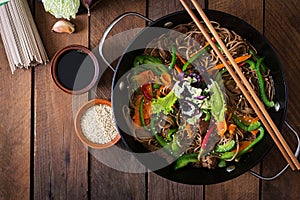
(41, 157)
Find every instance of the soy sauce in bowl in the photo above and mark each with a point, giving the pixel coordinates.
(75, 69)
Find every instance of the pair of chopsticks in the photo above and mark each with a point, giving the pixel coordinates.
(254, 101)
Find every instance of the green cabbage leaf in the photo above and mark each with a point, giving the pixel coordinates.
(62, 8)
(164, 104)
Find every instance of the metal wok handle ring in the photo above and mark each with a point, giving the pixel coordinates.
(285, 168)
(110, 27)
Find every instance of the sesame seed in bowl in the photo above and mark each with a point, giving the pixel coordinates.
(95, 125)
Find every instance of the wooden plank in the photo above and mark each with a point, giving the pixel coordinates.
(157, 8)
(60, 159)
(249, 11)
(105, 182)
(252, 12)
(15, 118)
(282, 30)
(106, 12)
(158, 187)
(15, 130)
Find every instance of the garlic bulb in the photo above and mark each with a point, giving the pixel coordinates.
(63, 26)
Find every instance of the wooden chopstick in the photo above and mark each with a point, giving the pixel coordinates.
(261, 111)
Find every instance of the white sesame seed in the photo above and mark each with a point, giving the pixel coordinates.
(97, 124)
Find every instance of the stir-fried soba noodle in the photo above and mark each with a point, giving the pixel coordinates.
(177, 99)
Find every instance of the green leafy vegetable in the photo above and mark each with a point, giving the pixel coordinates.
(164, 104)
(62, 9)
(217, 102)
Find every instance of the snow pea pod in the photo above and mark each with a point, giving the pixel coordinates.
(246, 127)
(185, 159)
(225, 147)
(262, 85)
(256, 66)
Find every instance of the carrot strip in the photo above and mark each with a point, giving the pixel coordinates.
(248, 119)
(231, 128)
(188, 129)
(159, 92)
(229, 117)
(221, 127)
(242, 145)
(254, 132)
(178, 69)
(181, 59)
(237, 60)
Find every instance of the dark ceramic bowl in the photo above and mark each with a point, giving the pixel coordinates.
(74, 69)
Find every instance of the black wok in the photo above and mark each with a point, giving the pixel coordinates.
(190, 175)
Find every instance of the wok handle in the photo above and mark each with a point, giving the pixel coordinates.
(110, 27)
(283, 170)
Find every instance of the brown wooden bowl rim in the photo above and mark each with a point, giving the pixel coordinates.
(57, 56)
(78, 130)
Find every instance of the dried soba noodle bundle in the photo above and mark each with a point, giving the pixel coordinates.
(20, 37)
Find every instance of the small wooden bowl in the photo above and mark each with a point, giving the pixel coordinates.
(54, 67)
(77, 123)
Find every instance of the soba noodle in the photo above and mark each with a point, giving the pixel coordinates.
(187, 44)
